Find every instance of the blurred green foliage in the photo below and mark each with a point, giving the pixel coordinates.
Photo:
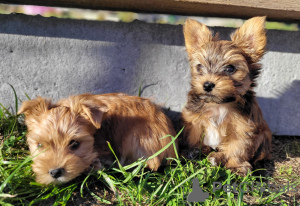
(100, 15)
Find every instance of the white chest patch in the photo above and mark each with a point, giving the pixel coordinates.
(212, 132)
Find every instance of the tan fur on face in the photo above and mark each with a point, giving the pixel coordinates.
(227, 118)
(132, 125)
(53, 128)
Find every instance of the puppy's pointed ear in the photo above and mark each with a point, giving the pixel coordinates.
(35, 107)
(195, 35)
(251, 37)
(94, 112)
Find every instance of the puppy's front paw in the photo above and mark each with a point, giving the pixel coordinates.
(216, 158)
(241, 169)
(213, 161)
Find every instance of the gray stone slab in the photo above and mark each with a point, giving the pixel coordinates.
(56, 58)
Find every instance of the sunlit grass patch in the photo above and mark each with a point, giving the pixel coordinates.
(125, 185)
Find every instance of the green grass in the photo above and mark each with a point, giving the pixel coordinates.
(128, 185)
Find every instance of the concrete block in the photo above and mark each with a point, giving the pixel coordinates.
(56, 58)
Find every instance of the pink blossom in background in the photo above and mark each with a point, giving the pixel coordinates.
(34, 10)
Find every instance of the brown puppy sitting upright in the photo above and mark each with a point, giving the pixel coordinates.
(222, 112)
(69, 139)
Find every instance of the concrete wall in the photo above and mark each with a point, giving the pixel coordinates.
(58, 57)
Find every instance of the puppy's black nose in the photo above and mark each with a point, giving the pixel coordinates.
(208, 86)
(56, 173)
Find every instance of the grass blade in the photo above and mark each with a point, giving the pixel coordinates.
(27, 96)
(157, 153)
(140, 89)
(4, 183)
(16, 98)
(97, 197)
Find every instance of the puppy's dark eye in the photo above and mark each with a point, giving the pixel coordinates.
(230, 69)
(39, 145)
(74, 145)
(199, 68)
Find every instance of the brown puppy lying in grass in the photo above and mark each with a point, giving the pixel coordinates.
(72, 135)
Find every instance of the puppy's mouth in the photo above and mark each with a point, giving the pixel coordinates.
(228, 99)
(60, 180)
(209, 98)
